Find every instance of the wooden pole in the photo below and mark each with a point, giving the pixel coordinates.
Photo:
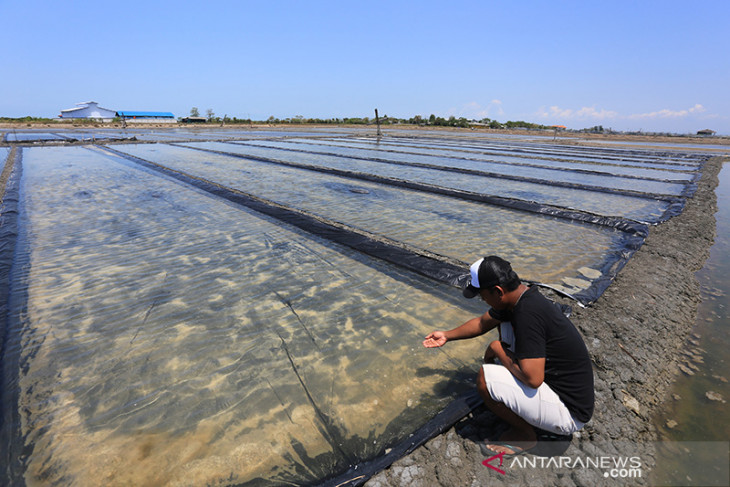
(377, 121)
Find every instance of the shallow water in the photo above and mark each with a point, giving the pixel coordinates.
(31, 136)
(642, 209)
(677, 145)
(644, 158)
(159, 336)
(222, 134)
(473, 160)
(550, 175)
(162, 336)
(514, 154)
(552, 249)
(699, 418)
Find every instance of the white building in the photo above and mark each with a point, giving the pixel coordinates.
(89, 109)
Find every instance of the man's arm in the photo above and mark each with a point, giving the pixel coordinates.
(530, 371)
(472, 328)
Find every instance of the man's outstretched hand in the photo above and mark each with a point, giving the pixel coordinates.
(435, 339)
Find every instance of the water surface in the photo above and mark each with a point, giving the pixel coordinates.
(697, 407)
(552, 249)
(162, 336)
(598, 202)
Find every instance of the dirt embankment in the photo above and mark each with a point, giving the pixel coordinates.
(634, 332)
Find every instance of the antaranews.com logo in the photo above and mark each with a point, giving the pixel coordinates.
(612, 466)
(667, 463)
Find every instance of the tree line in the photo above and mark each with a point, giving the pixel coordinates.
(431, 120)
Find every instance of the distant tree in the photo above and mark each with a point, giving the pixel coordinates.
(194, 112)
(432, 119)
(209, 114)
(522, 124)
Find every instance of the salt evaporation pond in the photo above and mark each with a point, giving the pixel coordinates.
(520, 169)
(166, 336)
(161, 335)
(634, 207)
(552, 249)
(469, 159)
(591, 154)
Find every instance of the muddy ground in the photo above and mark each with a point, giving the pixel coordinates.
(634, 332)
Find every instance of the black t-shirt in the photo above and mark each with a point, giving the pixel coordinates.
(543, 331)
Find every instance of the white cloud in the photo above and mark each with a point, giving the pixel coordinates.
(591, 113)
(475, 110)
(557, 114)
(666, 113)
(685, 120)
(496, 107)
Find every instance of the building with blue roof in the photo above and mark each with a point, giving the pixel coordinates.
(92, 110)
(146, 117)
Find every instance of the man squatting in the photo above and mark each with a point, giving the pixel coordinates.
(538, 374)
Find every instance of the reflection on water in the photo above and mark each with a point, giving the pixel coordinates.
(470, 160)
(644, 209)
(552, 249)
(697, 407)
(33, 136)
(167, 337)
(548, 174)
(644, 159)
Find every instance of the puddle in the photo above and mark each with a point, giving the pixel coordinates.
(697, 407)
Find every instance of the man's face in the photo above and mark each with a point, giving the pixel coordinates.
(493, 297)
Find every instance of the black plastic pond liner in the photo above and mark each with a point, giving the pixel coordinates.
(629, 226)
(357, 475)
(67, 137)
(476, 155)
(434, 266)
(58, 138)
(688, 191)
(36, 138)
(457, 169)
(425, 187)
(676, 203)
(416, 260)
(425, 263)
(454, 412)
(539, 149)
(9, 416)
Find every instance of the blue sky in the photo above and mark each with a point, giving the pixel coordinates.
(628, 65)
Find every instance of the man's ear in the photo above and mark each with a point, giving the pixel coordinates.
(499, 290)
